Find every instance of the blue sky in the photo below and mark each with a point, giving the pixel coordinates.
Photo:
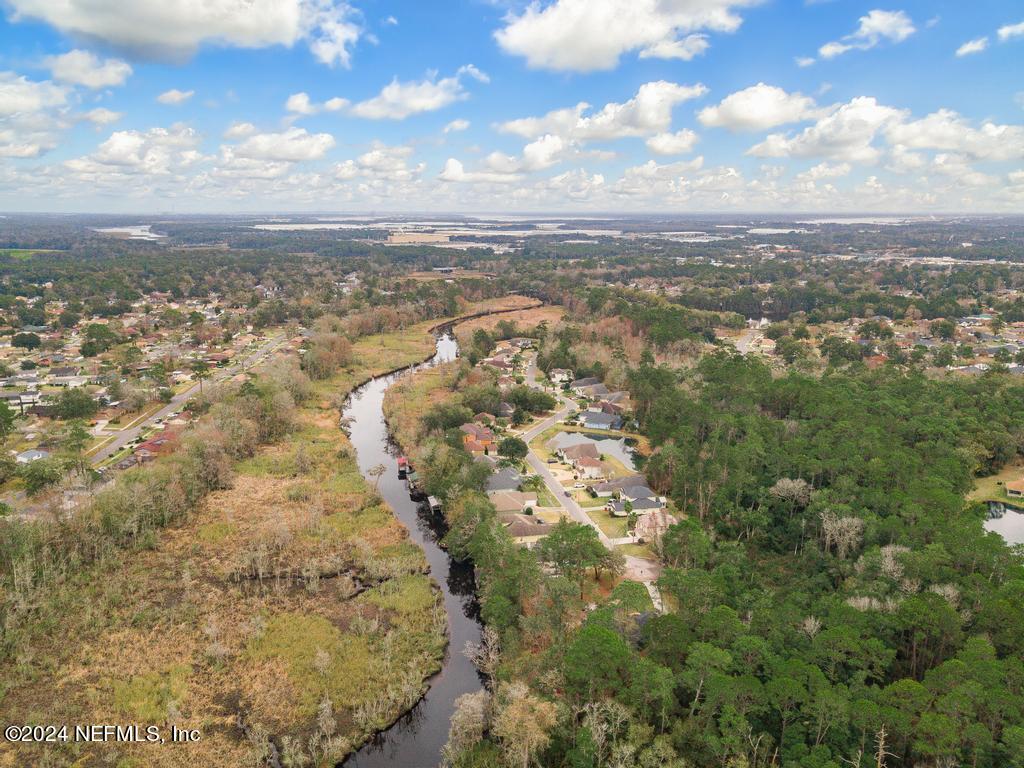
(558, 105)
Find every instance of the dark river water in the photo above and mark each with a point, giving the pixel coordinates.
(416, 740)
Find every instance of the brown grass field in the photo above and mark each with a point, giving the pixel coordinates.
(293, 587)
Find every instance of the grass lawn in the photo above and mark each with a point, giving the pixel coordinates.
(637, 550)
(991, 488)
(613, 527)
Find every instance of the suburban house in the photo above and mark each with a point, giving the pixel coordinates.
(512, 501)
(506, 479)
(525, 530)
(607, 488)
(477, 438)
(591, 469)
(560, 375)
(580, 385)
(1015, 488)
(600, 420)
(573, 453)
(617, 507)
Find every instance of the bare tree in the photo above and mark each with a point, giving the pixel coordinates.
(375, 473)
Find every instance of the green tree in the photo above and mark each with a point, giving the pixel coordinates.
(75, 403)
(27, 341)
(6, 420)
(513, 448)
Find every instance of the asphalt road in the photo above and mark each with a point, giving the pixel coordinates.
(178, 402)
(637, 568)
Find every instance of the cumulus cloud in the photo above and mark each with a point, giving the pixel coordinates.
(154, 152)
(686, 49)
(972, 46)
(19, 94)
(757, 108)
(291, 145)
(678, 143)
(846, 133)
(647, 113)
(589, 35)
(455, 172)
(1010, 31)
(239, 130)
(874, 28)
(398, 100)
(301, 104)
(381, 163)
(825, 171)
(174, 97)
(456, 125)
(79, 67)
(177, 28)
(31, 115)
(948, 131)
(102, 116)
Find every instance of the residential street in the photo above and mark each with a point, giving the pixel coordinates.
(637, 568)
(178, 402)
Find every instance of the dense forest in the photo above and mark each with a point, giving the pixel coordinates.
(833, 599)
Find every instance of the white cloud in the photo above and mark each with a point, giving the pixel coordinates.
(239, 130)
(1010, 31)
(825, 171)
(84, 68)
(947, 131)
(804, 61)
(678, 143)
(686, 49)
(154, 152)
(902, 160)
(589, 35)
(19, 94)
(959, 168)
(174, 97)
(178, 27)
(846, 133)
(399, 100)
(455, 172)
(876, 26)
(291, 145)
(647, 113)
(381, 163)
(391, 21)
(299, 103)
(972, 46)
(537, 155)
(336, 104)
(102, 116)
(757, 108)
(456, 125)
(32, 115)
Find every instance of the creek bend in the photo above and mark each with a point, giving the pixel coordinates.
(416, 739)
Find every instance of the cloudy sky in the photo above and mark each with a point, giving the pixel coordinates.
(488, 106)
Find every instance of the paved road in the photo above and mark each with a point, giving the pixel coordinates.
(637, 568)
(126, 436)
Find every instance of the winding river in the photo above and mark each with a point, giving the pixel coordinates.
(416, 740)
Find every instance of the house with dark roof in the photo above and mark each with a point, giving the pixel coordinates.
(505, 479)
(600, 420)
